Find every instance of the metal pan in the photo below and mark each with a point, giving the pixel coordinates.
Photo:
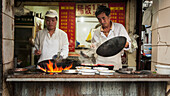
(112, 46)
(64, 63)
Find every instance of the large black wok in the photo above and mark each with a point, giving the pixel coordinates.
(64, 63)
(112, 46)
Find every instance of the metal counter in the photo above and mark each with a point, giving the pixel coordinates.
(80, 78)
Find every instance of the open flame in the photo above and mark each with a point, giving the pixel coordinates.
(56, 69)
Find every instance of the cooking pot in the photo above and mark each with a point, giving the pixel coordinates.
(112, 46)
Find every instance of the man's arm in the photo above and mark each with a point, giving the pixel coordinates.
(37, 42)
(65, 46)
(125, 34)
(127, 45)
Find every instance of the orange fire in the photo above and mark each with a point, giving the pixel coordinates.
(52, 70)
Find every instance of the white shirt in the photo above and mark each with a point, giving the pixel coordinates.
(99, 38)
(51, 45)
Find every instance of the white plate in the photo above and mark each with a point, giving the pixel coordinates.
(70, 71)
(82, 67)
(88, 70)
(107, 71)
(100, 68)
(89, 64)
(84, 73)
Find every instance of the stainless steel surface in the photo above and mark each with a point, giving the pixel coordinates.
(92, 78)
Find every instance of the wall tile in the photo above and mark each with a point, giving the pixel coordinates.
(8, 27)
(8, 51)
(155, 6)
(155, 21)
(154, 37)
(7, 66)
(154, 53)
(8, 6)
(163, 54)
(6, 92)
(164, 4)
(163, 36)
(7, 88)
(164, 17)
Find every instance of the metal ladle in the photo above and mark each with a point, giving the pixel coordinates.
(56, 58)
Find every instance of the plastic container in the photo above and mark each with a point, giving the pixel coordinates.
(163, 69)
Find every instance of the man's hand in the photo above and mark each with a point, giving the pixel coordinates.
(92, 46)
(57, 58)
(127, 45)
(37, 52)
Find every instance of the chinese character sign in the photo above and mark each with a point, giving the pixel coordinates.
(87, 9)
(67, 22)
(117, 12)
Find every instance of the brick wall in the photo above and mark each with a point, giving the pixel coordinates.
(161, 34)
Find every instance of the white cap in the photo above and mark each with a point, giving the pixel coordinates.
(51, 13)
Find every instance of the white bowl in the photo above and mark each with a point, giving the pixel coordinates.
(163, 69)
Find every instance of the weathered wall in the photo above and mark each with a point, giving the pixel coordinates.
(89, 89)
(7, 40)
(160, 33)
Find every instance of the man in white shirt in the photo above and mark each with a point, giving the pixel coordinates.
(51, 40)
(106, 31)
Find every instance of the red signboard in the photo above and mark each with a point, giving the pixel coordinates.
(67, 22)
(117, 12)
(87, 9)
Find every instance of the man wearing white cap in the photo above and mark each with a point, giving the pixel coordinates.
(51, 40)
